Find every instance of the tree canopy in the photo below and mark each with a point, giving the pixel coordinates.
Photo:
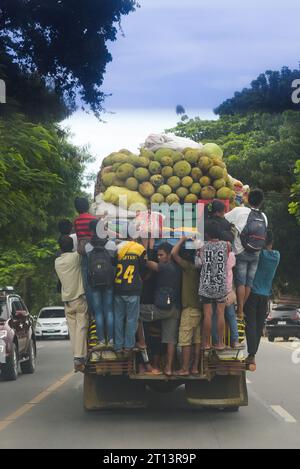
(271, 92)
(64, 42)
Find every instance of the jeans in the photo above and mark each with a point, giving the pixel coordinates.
(230, 318)
(256, 310)
(245, 269)
(86, 285)
(104, 312)
(127, 310)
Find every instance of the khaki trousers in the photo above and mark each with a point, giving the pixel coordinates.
(78, 321)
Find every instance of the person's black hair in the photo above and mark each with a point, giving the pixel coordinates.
(81, 204)
(217, 206)
(269, 238)
(166, 247)
(212, 230)
(187, 254)
(65, 227)
(66, 244)
(256, 198)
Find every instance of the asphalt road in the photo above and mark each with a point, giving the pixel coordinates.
(45, 410)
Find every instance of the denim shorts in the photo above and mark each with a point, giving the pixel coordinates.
(245, 269)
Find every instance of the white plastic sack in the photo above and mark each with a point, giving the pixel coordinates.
(156, 141)
(101, 208)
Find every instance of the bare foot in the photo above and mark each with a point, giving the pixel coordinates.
(182, 372)
(168, 372)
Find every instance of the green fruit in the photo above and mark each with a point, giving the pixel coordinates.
(218, 162)
(195, 188)
(192, 156)
(196, 174)
(162, 152)
(187, 181)
(142, 174)
(157, 198)
(132, 184)
(164, 190)
(119, 158)
(219, 183)
(118, 182)
(216, 172)
(108, 160)
(125, 171)
(167, 171)
(166, 161)
(133, 159)
(143, 162)
(108, 179)
(211, 150)
(177, 156)
(182, 192)
(187, 149)
(147, 154)
(182, 169)
(146, 189)
(205, 181)
(204, 163)
(154, 167)
(174, 182)
(208, 192)
(172, 199)
(125, 152)
(191, 199)
(224, 193)
(115, 166)
(157, 180)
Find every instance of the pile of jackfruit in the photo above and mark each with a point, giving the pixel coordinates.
(166, 176)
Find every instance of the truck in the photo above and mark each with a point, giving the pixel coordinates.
(117, 383)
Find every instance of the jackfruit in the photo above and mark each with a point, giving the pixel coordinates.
(216, 172)
(167, 171)
(205, 181)
(125, 171)
(115, 166)
(132, 184)
(204, 163)
(192, 156)
(182, 192)
(187, 181)
(162, 152)
(125, 151)
(174, 182)
(157, 180)
(134, 159)
(224, 193)
(187, 149)
(195, 188)
(182, 168)
(177, 156)
(108, 160)
(118, 182)
(218, 162)
(157, 198)
(143, 162)
(146, 189)
(142, 174)
(108, 179)
(154, 167)
(219, 183)
(196, 174)
(172, 199)
(107, 169)
(208, 192)
(166, 161)
(164, 190)
(190, 199)
(123, 197)
(147, 154)
(119, 158)
(211, 150)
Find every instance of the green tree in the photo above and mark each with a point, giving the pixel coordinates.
(294, 206)
(64, 41)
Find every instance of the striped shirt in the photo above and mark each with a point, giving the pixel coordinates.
(81, 225)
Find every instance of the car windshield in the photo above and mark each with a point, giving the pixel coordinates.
(279, 311)
(52, 313)
(3, 310)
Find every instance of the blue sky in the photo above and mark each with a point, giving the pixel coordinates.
(191, 52)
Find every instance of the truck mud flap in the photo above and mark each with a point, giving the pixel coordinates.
(112, 392)
(221, 391)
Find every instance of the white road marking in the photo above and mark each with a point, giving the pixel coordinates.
(283, 414)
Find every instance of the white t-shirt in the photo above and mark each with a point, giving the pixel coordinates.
(238, 217)
(75, 243)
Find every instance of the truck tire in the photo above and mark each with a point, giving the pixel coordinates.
(10, 369)
(28, 367)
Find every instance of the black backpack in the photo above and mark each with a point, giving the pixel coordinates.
(101, 272)
(254, 235)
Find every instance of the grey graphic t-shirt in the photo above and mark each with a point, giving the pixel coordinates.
(213, 276)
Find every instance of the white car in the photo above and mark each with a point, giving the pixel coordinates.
(52, 321)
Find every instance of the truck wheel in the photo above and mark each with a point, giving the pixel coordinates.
(271, 339)
(28, 367)
(10, 369)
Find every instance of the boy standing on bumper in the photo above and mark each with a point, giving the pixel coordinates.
(189, 330)
(128, 287)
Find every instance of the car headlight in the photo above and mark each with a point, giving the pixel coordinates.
(64, 323)
(3, 334)
(38, 324)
